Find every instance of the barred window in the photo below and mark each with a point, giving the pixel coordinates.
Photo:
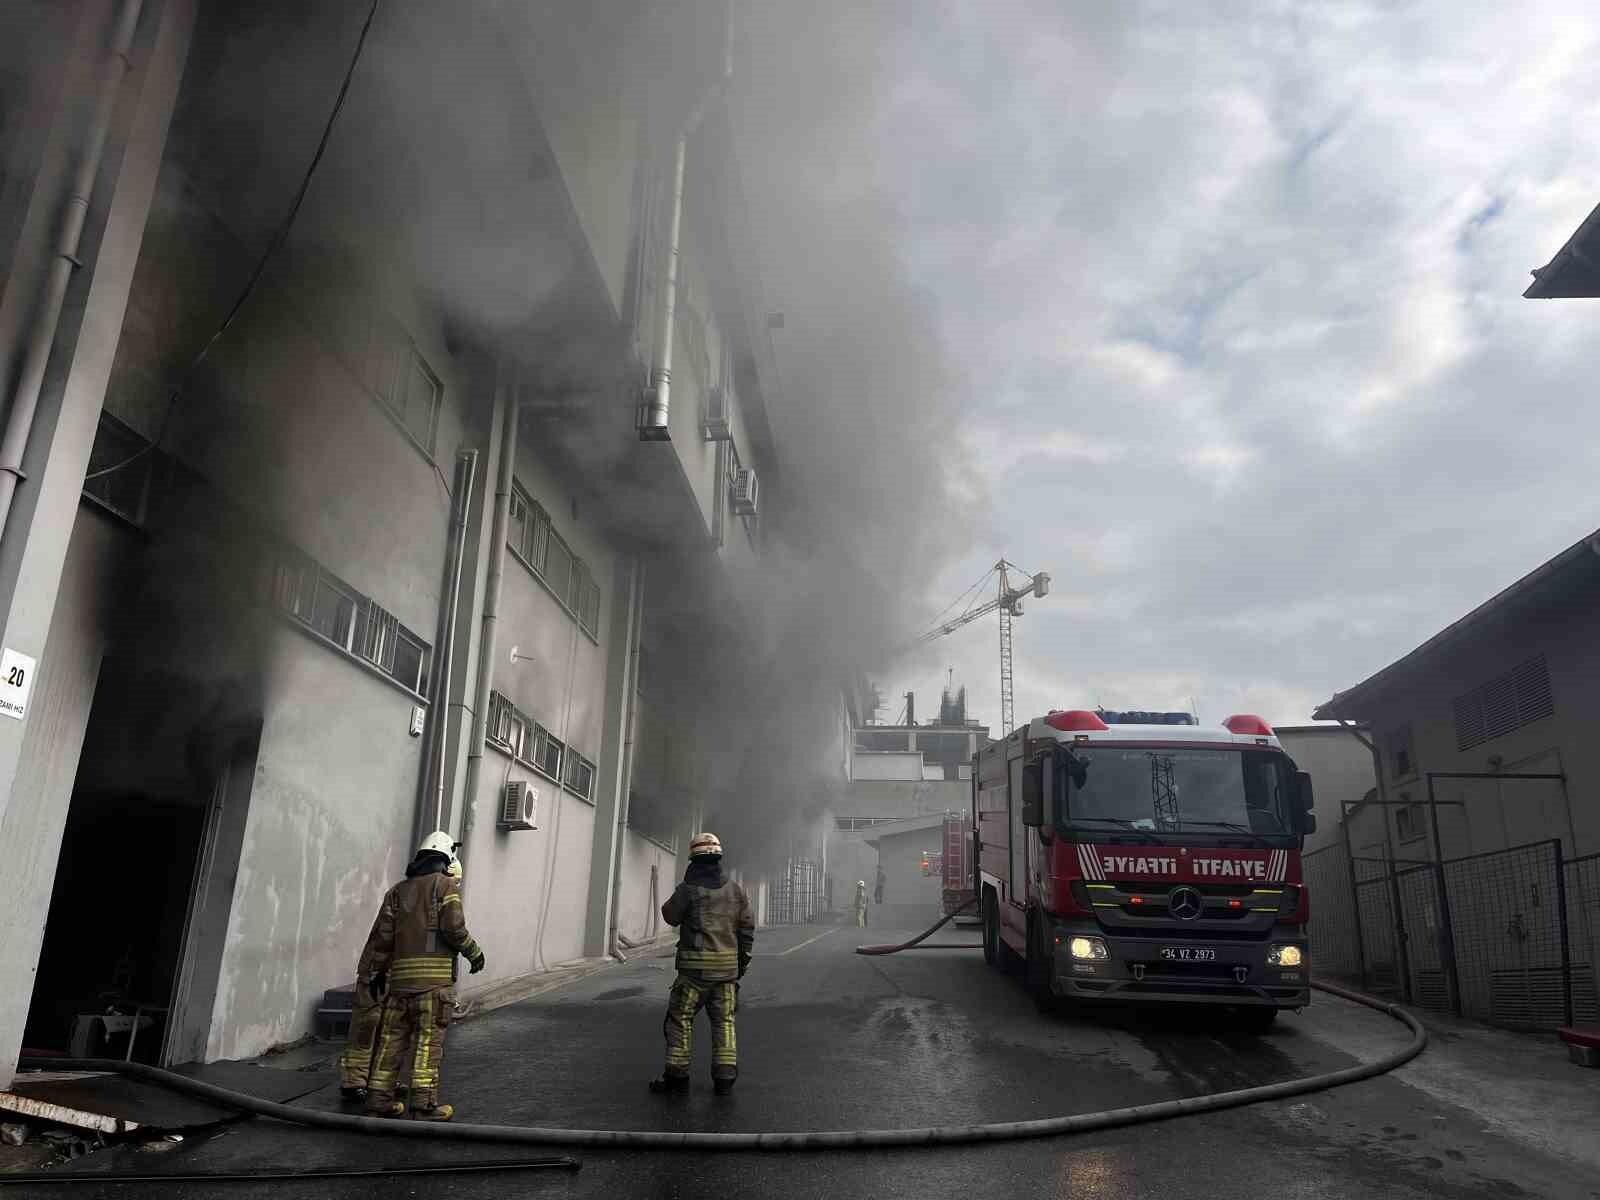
(579, 775)
(348, 621)
(532, 536)
(504, 726)
(546, 752)
(405, 384)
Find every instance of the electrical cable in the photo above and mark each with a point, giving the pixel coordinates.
(559, 1163)
(852, 1139)
(278, 238)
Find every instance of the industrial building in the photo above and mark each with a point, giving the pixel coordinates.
(415, 510)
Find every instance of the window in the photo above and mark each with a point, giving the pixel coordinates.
(1408, 824)
(1507, 702)
(546, 752)
(349, 621)
(534, 540)
(126, 489)
(406, 384)
(579, 778)
(505, 724)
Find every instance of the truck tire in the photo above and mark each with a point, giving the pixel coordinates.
(1255, 1020)
(1038, 970)
(991, 930)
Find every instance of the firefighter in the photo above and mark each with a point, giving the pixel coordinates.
(409, 966)
(716, 938)
(861, 903)
(355, 1063)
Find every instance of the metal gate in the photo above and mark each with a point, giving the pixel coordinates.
(794, 894)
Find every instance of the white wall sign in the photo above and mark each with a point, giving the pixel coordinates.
(419, 716)
(16, 682)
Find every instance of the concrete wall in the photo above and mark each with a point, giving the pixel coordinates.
(1340, 769)
(57, 719)
(1496, 814)
(639, 911)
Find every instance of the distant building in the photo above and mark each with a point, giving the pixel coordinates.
(1341, 772)
(892, 772)
(1512, 688)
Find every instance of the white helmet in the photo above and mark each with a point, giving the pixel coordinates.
(440, 842)
(861, 883)
(705, 844)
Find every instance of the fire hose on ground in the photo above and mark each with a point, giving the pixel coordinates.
(654, 1139)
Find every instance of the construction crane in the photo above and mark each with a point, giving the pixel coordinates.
(1008, 601)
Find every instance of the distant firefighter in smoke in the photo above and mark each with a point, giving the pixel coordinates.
(409, 966)
(861, 903)
(716, 939)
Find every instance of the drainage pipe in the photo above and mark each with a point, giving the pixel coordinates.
(840, 1139)
(455, 555)
(491, 608)
(652, 422)
(75, 214)
(625, 768)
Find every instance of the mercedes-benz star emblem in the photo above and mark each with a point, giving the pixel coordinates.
(1185, 903)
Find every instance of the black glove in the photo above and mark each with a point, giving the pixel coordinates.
(744, 965)
(379, 985)
(477, 963)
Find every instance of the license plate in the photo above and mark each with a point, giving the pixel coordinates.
(1188, 954)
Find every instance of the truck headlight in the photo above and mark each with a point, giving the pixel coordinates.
(1088, 948)
(1285, 956)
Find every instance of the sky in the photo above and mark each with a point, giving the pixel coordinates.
(1230, 336)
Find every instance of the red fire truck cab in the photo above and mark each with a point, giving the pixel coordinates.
(1136, 857)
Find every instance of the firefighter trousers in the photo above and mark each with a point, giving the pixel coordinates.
(861, 916)
(684, 1002)
(355, 1062)
(410, 1024)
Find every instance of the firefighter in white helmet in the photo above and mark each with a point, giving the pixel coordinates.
(408, 966)
(716, 939)
(861, 903)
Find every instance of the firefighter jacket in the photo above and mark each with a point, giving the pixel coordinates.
(716, 927)
(419, 931)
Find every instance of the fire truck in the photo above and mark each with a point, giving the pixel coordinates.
(1138, 857)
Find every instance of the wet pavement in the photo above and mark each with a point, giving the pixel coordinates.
(832, 1040)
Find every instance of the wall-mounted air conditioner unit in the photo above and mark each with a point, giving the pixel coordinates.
(745, 492)
(715, 427)
(520, 807)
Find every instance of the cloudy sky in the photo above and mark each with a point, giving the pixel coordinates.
(1229, 295)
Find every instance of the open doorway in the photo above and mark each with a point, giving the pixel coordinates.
(144, 880)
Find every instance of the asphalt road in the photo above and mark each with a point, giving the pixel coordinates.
(833, 1040)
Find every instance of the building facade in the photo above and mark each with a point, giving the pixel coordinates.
(418, 533)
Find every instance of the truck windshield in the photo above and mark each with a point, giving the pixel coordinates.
(1176, 791)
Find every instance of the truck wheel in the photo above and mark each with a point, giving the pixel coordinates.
(1256, 1020)
(991, 930)
(1039, 971)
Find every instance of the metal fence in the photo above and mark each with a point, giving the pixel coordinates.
(1511, 937)
(794, 895)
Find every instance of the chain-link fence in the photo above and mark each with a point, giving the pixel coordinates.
(1510, 937)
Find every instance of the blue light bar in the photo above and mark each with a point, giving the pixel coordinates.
(1145, 718)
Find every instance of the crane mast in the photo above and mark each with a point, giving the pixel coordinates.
(1008, 602)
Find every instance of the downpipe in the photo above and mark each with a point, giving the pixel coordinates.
(75, 215)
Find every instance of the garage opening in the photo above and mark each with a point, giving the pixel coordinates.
(143, 885)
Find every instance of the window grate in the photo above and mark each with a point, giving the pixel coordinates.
(350, 622)
(533, 537)
(1505, 703)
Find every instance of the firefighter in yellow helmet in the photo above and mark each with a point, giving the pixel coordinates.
(356, 1061)
(716, 939)
(409, 965)
(861, 903)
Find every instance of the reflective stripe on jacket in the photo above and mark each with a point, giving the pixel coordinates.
(419, 931)
(716, 930)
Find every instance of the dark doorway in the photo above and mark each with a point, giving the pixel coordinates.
(151, 783)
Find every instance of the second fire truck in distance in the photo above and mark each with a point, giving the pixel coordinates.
(1136, 857)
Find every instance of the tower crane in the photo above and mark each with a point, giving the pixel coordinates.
(1008, 601)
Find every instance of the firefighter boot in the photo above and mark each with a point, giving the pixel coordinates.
(353, 1095)
(392, 1108)
(670, 1083)
(439, 1112)
(723, 1079)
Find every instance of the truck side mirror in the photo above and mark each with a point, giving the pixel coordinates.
(1032, 794)
(1308, 822)
(1303, 792)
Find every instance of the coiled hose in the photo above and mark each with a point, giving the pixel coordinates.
(841, 1139)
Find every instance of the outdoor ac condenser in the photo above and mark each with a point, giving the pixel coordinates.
(520, 807)
(745, 491)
